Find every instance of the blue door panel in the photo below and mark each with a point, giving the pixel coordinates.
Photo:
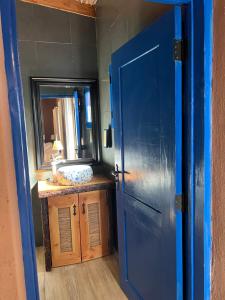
(141, 225)
(146, 86)
(149, 121)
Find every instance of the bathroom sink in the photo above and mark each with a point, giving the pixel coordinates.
(74, 175)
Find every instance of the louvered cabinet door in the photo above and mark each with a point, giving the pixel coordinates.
(94, 224)
(64, 224)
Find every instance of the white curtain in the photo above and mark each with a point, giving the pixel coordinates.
(70, 132)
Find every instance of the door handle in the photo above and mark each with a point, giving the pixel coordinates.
(116, 173)
(74, 210)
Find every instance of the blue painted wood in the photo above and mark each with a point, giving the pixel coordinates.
(202, 55)
(208, 62)
(172, 2)
(198, 84)
(179, 156)
(188, 153)
(47, 97)
(77, 118)
(147, 105)
(16, 106)
(199, 26)
(198, 33)
(87, 97)
(110, 96)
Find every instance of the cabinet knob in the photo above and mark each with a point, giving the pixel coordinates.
(83, 208)
(74, 210)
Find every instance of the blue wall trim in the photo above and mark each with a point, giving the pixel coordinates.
(208, 48)
(8, 17)
(200, 33)
(191, 173)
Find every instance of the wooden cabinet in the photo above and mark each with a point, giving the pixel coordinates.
(94, 224)
(64, 225)
(79, 227)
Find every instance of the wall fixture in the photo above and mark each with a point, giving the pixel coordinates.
(108, 137)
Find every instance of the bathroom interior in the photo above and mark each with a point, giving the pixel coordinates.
(65, 62)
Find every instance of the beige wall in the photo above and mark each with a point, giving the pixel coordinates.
(218, 139)
(12, 285)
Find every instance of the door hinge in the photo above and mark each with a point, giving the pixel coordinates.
(180, 203)
(178, 51)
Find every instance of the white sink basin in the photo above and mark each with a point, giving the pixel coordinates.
(74, 175)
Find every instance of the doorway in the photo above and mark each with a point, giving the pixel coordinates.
(23, 189)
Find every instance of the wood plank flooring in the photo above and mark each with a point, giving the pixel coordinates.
(92, 280)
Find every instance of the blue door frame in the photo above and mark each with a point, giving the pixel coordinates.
(198, 29)
(16, 106)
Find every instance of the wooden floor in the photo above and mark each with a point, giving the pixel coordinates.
(93, 280)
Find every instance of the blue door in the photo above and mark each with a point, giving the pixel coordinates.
(146, 81)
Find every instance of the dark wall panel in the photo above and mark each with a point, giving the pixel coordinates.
(116, 23)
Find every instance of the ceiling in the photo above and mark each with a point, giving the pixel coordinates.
(91, 2)
(81, 7)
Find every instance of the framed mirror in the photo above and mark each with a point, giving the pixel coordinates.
(66, 120)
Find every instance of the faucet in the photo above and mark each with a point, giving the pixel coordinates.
(56, 160)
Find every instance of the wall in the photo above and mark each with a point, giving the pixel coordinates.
(12, 285)
(218, 148)
(51, 43)
(116, 23)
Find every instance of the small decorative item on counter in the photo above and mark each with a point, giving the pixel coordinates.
(41, 175)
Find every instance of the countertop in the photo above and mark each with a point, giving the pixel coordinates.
(47, 189)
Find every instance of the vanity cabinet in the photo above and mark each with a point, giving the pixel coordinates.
(79, 227)
(77, 222)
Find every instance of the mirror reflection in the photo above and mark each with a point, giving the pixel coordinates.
(65, 120)
(66, 123)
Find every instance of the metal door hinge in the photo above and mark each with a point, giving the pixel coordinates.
(178, 52)
(180, 203)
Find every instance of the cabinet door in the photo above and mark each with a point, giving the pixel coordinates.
(64, 230)
(94, 224)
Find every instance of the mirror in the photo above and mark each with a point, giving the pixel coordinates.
(65, 120)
